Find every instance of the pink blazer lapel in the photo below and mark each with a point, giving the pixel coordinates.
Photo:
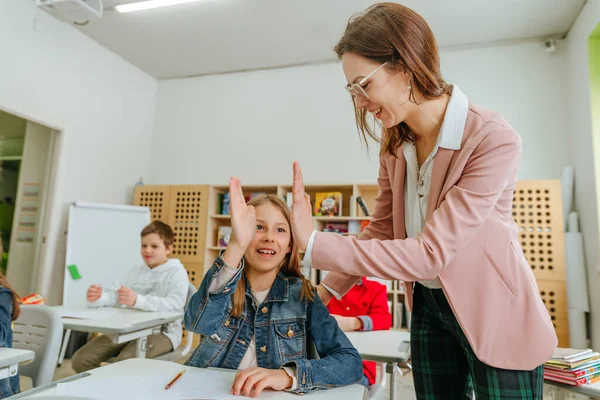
(398, 182)
(441, 162)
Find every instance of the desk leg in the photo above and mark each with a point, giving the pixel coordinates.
(393, 368)
(63, 349)
(140, 347)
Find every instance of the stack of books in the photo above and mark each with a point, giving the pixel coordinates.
(573, 367)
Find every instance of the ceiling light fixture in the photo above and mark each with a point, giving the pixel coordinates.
(147, 5)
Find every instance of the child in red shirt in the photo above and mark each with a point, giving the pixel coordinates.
(363, 308)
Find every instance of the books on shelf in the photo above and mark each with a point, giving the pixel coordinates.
(328, 204)
(573, 367)
(363, 206)
(224, 235)
(225, 204)
(223, 201)
(337, 227)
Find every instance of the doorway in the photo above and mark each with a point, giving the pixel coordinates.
(26, 158)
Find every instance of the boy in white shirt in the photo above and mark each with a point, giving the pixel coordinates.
(161, 284)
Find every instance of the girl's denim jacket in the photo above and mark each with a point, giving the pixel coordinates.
(8, 386)
(283, 324)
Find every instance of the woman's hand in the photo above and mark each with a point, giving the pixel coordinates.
(324, 294)
(302, 220)
(243, 224)
(250, 382)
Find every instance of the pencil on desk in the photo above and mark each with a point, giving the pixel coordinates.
(175, 379)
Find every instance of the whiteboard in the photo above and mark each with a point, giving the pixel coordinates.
(103, 241)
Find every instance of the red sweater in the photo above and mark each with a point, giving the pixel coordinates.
(367, 301)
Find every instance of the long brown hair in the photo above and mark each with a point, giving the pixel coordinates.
(290, 266)
(16, 307)
(393, 33)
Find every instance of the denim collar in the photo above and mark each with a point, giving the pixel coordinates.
(279, 291)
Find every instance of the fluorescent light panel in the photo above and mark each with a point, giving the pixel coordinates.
(147, 5)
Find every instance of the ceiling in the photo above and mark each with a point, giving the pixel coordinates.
(216, 36)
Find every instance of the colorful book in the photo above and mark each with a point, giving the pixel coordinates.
(567, 354)
(225, 206)
(220, 203)
(328, 204)
(571, 374)
(572, 364)
(363, 206)
(592, 378)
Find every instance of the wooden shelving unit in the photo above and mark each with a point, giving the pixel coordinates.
(193, 211)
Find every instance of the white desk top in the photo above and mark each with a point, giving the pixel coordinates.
(163, 371)
(114, 320)
(383, 346)
(14, 356)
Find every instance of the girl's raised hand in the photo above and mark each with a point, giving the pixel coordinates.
(243, 224)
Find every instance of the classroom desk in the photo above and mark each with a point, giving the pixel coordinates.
(559, 390)
(10, 360)
(390, 347)
(123, 325)
(164, 370)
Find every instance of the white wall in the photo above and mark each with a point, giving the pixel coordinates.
(580, 133)
(255, 124)
(61, 78)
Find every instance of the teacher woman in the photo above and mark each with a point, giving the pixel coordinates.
(442, 222)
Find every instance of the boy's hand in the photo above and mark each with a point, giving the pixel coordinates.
(348, 324)
(93, 293)
(126, 296)
(250, 382)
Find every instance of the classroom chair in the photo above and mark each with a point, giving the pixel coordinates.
(39, 328)
(185, 347)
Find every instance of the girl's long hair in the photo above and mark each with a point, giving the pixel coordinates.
(290, 266)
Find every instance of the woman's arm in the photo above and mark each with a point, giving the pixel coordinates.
(466, 207)
(380, 227)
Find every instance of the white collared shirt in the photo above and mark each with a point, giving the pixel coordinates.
(415, 199)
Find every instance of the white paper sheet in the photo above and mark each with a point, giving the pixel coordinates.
(92, 313)
(116, 388)
(194, 384)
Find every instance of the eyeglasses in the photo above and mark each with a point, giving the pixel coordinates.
(356, 89)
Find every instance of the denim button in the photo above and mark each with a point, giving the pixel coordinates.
(263, 349)
(264, 310)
